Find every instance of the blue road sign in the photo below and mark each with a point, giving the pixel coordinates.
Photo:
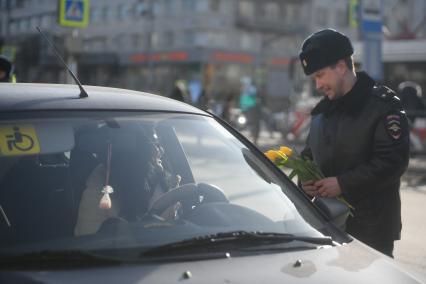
(74, 10)
(74, 13)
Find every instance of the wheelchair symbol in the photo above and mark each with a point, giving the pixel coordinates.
(19, 140)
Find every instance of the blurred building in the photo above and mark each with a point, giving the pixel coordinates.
(148, 44)
(404, 53)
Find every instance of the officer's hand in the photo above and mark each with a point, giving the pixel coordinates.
(328, 187)
(309, 188)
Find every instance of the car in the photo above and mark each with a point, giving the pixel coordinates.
(106, 185)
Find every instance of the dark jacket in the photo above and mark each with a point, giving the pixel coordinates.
(362, 139)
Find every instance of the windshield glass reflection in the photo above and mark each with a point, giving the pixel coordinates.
(119, 181)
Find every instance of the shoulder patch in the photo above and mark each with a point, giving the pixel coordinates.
(384, 93)
(388, 96)
(393, 125)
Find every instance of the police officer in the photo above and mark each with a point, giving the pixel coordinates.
(359, 139)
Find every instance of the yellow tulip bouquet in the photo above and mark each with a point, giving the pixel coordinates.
(304, 169)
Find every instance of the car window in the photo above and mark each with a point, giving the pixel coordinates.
(218, 158)
(110, 180)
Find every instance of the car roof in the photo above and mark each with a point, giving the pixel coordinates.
(36, 96)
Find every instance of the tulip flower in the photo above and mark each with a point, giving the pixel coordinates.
(301, 167)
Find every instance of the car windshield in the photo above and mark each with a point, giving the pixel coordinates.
(114, 180)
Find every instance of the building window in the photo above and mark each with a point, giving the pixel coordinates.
(290, 17)
(170, 6)
(201, 39)
(141, 9)
(156, 8)
(138, 41)
(24, 25)
(246, 41)
(146, 40)
(127, 42)
(202, 5)
(98, 44)
(271, 11)
(13, 27)
(118, 42)
(321, 16)
(95, 15)
(26, 3)
(108, 14)
(189, 38)
(214, 5)
(246, 9)
(169, 39)
(189, 5)
(342, 18)
(104, 14)
(34, 23)
(45, 21)
(124, 12)
(217, 39)
(13, 4)
(155, 39)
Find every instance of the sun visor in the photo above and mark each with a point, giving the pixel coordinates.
(18, 139)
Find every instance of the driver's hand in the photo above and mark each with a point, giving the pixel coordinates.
(310, 188)
(173, 212)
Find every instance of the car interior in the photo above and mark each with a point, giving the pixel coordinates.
(57, 195)
(40, 194)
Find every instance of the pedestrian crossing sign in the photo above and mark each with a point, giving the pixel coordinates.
(74, 13)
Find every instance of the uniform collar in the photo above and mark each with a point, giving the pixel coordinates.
(350, 103)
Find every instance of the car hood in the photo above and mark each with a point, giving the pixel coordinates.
(351, 263)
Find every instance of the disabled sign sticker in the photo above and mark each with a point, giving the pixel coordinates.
(18, 140)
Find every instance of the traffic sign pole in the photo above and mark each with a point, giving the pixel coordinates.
(371, 32)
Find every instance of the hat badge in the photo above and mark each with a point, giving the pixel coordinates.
(304, 62)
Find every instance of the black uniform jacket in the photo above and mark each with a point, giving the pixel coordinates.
(362, 139)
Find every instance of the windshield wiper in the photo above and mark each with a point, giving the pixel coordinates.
(59, 258)
(237, 239)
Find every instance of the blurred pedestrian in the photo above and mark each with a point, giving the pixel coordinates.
(265, 113)
(179, 92)
(228, 105)
(204, 101)
(359, 139)
(6, 69)
(410, 94)
(250, 107)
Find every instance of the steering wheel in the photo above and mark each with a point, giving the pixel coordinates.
(188, 195)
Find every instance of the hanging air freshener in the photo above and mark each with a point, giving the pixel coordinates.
(105, 202)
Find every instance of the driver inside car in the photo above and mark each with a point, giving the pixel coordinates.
(127, 180)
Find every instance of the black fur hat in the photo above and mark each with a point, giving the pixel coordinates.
(324, 48)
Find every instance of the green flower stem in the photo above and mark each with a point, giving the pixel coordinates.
(305, 170)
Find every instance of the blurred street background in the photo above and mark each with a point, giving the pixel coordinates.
(236, 58)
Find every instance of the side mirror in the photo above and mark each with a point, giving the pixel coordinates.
(337, 211)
